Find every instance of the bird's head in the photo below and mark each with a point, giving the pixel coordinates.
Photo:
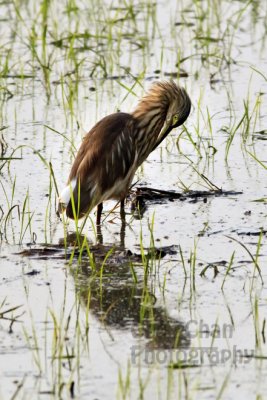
(178, 109)
(179, 106)
(165, 103)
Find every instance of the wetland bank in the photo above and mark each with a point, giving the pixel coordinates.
(171, 304)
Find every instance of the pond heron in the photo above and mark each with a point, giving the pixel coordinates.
(117, 145)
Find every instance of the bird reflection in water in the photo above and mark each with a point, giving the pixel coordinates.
(121, 302)
(99, 234)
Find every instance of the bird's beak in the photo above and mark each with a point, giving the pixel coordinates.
(61, 208)
(163, 133)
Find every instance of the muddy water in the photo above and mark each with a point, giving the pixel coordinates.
(117, 326)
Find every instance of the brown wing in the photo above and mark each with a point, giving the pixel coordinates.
(106, 154)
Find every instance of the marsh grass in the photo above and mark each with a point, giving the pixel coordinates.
(228, 268)
(246, 125)
(7, 313)
(57, 355)
(253, 258)
(124, 382)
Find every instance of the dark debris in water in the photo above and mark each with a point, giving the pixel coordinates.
(183, 23)
(182, 365)
(142, 194)
(119, 255)
(45, 252)
(32, 273)
(260, 135)
(251, 233)
(181, 73)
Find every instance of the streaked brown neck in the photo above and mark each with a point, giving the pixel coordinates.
(150, 115)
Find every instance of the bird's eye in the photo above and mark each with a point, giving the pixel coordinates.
(175, 119)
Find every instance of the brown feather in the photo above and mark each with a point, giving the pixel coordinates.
(99, 161)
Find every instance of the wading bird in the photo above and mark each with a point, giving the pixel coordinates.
(117, 145)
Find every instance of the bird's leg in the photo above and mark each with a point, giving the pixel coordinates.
(99, 235)
(98, 214)
(122, 210)
(123, 225)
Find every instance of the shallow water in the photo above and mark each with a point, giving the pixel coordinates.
(116, 326)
